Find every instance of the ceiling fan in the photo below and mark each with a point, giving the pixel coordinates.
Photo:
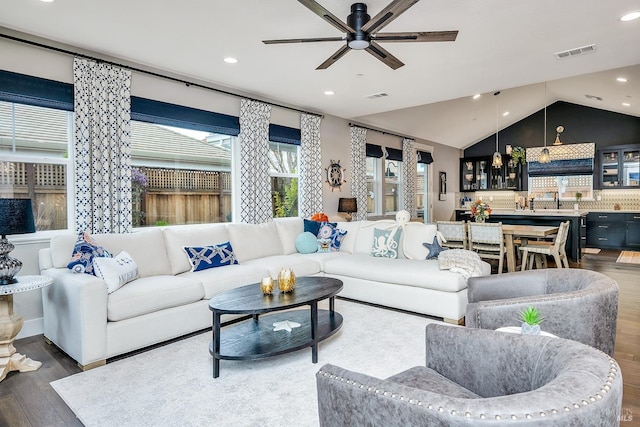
(362, 32)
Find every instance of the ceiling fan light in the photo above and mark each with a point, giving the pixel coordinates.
(497, 160)
(358, 44)
(544, 156)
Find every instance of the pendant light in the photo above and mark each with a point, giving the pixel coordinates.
(544, 155)
(497, 157)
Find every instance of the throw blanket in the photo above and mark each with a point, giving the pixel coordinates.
(462, 261)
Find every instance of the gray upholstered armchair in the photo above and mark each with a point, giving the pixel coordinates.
(581, 305)
(480, 377)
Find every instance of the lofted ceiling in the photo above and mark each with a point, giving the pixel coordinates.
(502, 45)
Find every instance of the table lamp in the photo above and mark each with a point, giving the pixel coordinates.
(347, 205)
(16, 217)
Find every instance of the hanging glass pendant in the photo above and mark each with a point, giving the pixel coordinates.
(544, 156)
(497, 160)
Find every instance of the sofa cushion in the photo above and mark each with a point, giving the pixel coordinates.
(216, 280)
(427, 379)
(306, 243)
(386, 243)
(251, 241)
(84, 251)
(205, 257)
(419, 273)
(116, 271)
(150, 294)
(288, 230)
(365, 235)
(349, 240)
(146, 247)
(302, 264)
(415, 234)
(179, 237)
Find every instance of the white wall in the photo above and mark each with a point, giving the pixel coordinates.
(334, 133)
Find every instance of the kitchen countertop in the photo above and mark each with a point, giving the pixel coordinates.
(551, 212)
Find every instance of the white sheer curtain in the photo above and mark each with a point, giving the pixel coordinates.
(310, 181)
(255, 184)
(359, 170)
(409, 167)
(102, 148)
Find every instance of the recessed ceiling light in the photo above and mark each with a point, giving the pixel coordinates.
(230, 60)
(476, 96)
(630, 16)
(505, 114)
(626, 104)
(621, 79)
(329, 92)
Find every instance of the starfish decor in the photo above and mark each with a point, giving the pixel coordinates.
(434, 248)
(287, 325)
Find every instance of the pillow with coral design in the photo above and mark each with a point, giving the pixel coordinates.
(84, 251)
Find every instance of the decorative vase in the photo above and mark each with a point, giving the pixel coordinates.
(286, 280)
(480, 219)
(266, 285)
(527, 329)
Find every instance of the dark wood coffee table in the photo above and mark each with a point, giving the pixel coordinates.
(255, 338)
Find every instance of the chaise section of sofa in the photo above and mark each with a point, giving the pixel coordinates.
(169, 300)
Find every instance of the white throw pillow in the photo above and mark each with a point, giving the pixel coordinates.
(116, 271)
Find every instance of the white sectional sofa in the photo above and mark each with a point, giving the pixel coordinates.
(168, 300)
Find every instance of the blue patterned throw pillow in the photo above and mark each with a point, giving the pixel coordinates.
(329, 231)
(204, 257)
(314, 226)
(386, 243)
(84, 251)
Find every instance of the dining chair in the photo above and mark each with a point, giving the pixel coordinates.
(539, 251)
(455, 234)
(488, 241)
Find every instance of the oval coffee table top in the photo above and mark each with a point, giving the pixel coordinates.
(250, 300)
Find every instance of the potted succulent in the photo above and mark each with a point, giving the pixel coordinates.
(531, 319)
(578, 198)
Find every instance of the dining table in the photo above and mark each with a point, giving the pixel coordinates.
(511, 231)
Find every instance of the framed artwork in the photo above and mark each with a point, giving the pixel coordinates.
(442, 192)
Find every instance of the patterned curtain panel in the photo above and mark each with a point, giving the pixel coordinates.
(310, 181)
(359, 170)
(255, 183)
(409, 166)
(102, 150)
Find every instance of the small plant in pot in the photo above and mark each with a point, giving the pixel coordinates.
(531, 320)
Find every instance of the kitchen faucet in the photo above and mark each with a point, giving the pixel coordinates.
(557, 199)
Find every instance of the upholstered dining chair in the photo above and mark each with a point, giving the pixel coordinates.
(539, 251)
(576, 304)
(479, 377)
(487, 240)
(454, 232)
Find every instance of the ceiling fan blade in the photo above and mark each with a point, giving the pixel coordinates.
(327, 16)
(333, 58)
(422, 36)
(311, 40)
(386, 15)
(384, 56)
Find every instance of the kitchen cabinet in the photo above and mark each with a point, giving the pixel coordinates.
(613, 230)
(619, 167)
(476, 173)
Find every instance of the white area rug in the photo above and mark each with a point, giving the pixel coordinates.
(174, 386)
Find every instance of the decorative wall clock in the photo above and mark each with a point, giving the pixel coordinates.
(335, 175)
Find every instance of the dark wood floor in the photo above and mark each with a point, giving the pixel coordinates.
(26, 399)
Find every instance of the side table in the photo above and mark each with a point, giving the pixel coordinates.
(11, 324)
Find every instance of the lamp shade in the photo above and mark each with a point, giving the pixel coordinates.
(16, 217)
(347, 204)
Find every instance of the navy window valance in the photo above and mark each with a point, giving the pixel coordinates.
(561, 167)
(424, 157)
(374, 151)
(163, 113)
(23, 89)
(284, 134)
(394, 154)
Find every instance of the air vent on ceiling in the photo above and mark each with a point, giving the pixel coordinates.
(595, 98)
(575, 51)
(378, 95)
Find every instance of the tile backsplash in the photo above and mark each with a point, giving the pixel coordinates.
(627, 199)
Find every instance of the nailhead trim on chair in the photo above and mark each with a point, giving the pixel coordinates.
(605, 389)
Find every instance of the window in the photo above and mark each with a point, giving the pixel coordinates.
(392, 181)
(181, 164)
(283, 169)
(421, 191)
(373, 184)
(34, 147)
